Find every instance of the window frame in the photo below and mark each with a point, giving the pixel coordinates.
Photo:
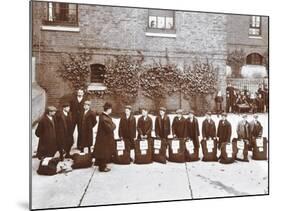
(153, 13)
(254, 26)
(47, 21)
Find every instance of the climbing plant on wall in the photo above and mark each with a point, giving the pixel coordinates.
(75, 69)
(236, 59)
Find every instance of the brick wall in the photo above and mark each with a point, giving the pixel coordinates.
(107, 31)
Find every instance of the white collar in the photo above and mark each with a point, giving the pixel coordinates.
(65, 113)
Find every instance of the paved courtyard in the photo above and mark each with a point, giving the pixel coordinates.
(150, 182)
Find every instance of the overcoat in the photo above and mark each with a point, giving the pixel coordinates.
(64, 129)
(243, 130)
(46, 131)
(224, 132)
(208, 129)
(88, 121)
(192, 130)
(144, 127)
(179, 127)
(162, 126)
(105, 144)
(256, 129)
(127, 130)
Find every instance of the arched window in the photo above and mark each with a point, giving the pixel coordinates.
(97, 73)
(254, 58)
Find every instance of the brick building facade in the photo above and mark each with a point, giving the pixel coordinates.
(105, 31)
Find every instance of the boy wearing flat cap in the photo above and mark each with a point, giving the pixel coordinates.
(105, 144)
(65, 128)
(88, 121)
(179, 125)
(162, 124)
(224, 130)
(243, 128)
(256, 129)
(127, 127)
(144, 125)
(46, 131)
(208, 127)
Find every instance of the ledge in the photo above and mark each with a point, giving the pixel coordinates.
(60, 28)
(153, 34)
(255, 37)
(96, 87)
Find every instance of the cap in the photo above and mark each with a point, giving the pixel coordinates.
(128, 107)
(107, 106)
(66, 104)
(162, 109)
(209, 113)
(224, 114)
(87, 102)
(51, 108)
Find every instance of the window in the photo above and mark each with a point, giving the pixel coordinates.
(97, 73)
(254, 59)
(61, 14)
(161, 19)
(255, 26)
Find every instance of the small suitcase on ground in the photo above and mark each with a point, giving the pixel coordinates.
(260, 149)
(159, 150)
(191, 152)
(82, 160)
(228, 153)
(176, 150)
(143, 151)
(209, 149)
(242, 149)
(122, 152)
(48, 166)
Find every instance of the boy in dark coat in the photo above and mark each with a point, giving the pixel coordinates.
(179, 125)
(88, 121)
(104, 146)
(144, 125)
(65, 129)
(77, 110)
(243, 128)
(256, 129)
(219, 100)
(192, 129)
(162, 124)
(208, 127)
(224, 130)
(46, 131)
(127, 128)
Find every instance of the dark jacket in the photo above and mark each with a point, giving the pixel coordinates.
(88, 121)
(224, 131)
(77, 108)
(105, 144)
(64, 130)
(256, 129)
(192, 130)
(208, 129)
(162, 126)
(127, 127)
(46, 131)
(144, 127)
(179, 127)
(230, 91)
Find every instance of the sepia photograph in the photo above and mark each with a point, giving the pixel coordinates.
(139, 105)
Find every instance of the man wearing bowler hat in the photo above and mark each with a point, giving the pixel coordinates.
(104, 146)
(46, 131)
(224, 130)
(127, 127)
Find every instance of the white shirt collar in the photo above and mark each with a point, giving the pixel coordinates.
(65, 113)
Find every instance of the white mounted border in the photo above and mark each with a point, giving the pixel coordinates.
(153, 34)
(60, 28)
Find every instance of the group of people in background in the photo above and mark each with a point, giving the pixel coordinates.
(56, 129)
(239, 101)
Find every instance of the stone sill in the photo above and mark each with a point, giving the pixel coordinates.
(255, 37)
(96, 87)
(153, 34)
(60, 28)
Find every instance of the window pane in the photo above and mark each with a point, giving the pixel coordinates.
(152, 21)
(257, 21)
(50, 11)
(169, 23)
(160, 22)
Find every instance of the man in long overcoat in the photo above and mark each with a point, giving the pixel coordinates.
(208, 127)
(127, 128)
(46, 131)
(224, 130)
(65, 128)
(192, 129)
(144, 125)
(77, 110)
(104, 145)
(179, 125)
(243, 128)
(88, 122)
(162, 124)
(256, 129)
